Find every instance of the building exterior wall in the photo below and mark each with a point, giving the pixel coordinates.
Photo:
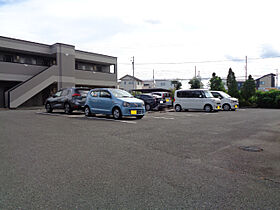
(266, 82)
(36, 66)
(148, 84)
(165, 84)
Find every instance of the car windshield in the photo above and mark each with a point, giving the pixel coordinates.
(208, 94)
(121, 93)
(225, 95)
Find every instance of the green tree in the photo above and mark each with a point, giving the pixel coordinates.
(216, 83)
(196, 83)
(177, 84)
(232, 84)
(249, 88)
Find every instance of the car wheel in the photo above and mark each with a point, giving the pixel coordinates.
(226, 107)
(139, 117)
(67, 108)
(148, 107)
(208, 108)
(87, 111)
(117, 114)
(49, 108)
(178, 108)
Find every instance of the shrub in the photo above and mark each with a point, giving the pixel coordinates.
(269, 99)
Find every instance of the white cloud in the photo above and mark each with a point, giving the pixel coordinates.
(154, 32)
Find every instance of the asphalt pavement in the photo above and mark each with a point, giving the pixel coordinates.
(167, 160)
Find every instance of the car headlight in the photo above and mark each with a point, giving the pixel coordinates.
(233, 101)
(126, 104)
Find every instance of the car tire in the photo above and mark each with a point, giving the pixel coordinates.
(48, 108)
(226, 107)
(208, 108)
(148, 107)
(178, 108)
(67, 108)
(117, 114)
(87, 111)
(139, 117)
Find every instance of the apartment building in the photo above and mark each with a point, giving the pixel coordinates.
(30, 72)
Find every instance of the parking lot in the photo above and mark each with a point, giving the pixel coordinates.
(167, 160)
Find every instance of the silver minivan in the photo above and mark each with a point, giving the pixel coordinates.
(198, 99)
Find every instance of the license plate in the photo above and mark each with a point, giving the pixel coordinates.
(235, 106)
(218, 107)
(167, 100)
(133, 112)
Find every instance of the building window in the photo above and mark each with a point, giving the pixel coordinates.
(26, 59)
(94, 67)
(262, 82)
(124, 82)
(8, 58)
(112, 69)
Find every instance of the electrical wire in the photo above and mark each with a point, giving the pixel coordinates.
(194, 62)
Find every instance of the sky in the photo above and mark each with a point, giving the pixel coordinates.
(173, 38)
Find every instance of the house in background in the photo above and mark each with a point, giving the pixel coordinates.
(148, 84)
(240, 83)
(165, 84)
(266, 82)
(158, 83)
(126, 83)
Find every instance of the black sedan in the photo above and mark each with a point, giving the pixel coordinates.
(151, 102)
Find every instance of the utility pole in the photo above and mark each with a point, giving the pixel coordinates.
(246, 68)
(276, 78)
(195, 71)
(133, 72)
(154, 78)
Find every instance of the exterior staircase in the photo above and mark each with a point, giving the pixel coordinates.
(19, 94)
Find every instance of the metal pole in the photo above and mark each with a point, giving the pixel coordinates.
(133, 72)
(276, 78)
(246, 68)
(153, 78)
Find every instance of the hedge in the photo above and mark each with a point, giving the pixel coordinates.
(269, 99)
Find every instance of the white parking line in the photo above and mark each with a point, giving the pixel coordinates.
(166, 118)
(122, 121)
(76, 116)
(46, 113)
(82, 116)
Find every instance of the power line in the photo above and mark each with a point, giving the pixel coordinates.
(206, 61)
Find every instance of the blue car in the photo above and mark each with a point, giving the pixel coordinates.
(114, 102)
